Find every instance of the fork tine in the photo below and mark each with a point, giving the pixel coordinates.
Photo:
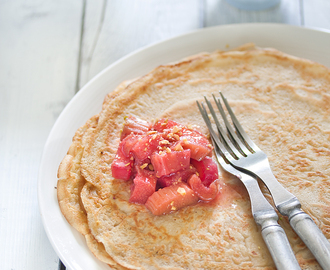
(231, 133)
(239, 129)
(215, 138)
(226, 142)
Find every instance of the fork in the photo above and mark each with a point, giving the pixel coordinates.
(263, 214)
(244, 155)
(262, 211)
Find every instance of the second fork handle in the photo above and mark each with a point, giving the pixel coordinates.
(307, 230)
(288, 205)
(312, 236)
(279, 248)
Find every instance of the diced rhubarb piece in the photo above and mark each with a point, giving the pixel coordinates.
(177, 177)
(177, 146)
(144, 185)
(163, 124)
(170, 162)
(145, 146)
(127, 144)
(203, 192)
(195, 141)
(171, 198)
(134, 125)
(121, 167)
(207, 170)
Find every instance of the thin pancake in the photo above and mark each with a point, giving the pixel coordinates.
(70, 183)
(283, 102)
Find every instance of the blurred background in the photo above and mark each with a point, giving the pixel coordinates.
(50, 49)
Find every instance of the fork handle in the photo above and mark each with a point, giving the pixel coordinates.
(307, 230)
(279, 246)
(288, 205)
(312, 236)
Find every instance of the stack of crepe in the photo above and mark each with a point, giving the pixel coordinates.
(283, 102)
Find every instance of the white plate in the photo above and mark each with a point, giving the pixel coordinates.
(68, 243)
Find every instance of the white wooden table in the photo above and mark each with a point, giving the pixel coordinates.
(49, 50)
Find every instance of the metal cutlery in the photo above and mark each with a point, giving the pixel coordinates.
(265, 216)
(241, 153)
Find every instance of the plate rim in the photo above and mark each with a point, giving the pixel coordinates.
(47, 149)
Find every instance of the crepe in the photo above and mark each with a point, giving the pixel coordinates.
(283, 102)
(70, 183)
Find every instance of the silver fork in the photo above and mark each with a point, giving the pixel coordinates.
(245, 156)
(263, 214)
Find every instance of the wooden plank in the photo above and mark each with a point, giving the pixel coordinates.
(317, 13)
(220, 12)
(38, 52)
(125, 26)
